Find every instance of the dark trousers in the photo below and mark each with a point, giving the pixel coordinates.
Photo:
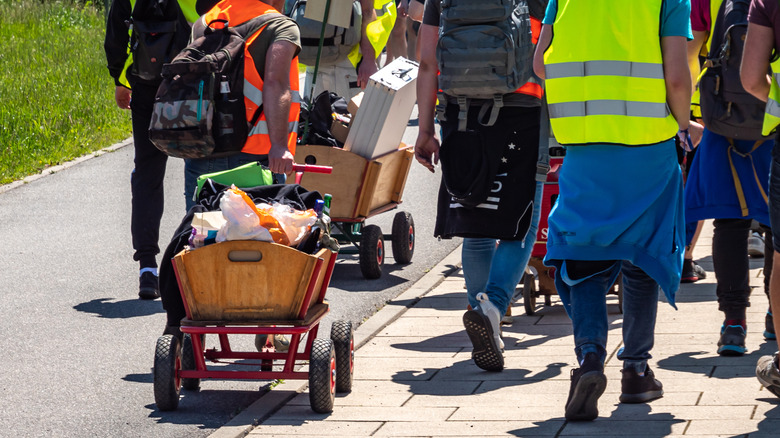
(732, 265)
(146, 181)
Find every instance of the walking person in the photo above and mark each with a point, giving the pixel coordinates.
(136, 87)
(728, 180)
(619, 90)
(762, 42)
(499, 232)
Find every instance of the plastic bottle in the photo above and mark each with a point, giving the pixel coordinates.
(327, 199)
(319, 205)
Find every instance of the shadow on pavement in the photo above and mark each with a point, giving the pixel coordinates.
(106, 308)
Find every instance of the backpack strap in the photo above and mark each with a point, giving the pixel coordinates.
(543, 162)
(737, 183)
(495, 106)
(463, 111)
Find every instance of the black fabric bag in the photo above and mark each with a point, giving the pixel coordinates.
(318, 116)
(488, 174)
(158, 32)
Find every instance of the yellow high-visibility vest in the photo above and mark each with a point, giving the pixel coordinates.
(696, 98)
(772, 112)
(187, 8)
(604, 74)
(378, 31)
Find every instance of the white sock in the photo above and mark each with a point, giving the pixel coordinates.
(152, 270)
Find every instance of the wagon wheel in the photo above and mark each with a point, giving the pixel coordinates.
(167, 363)
(322, 376)
(403, 237)
(342, 334)
(188, 363)
(372, 252)
(529, 294)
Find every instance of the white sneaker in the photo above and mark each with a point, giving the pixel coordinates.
(756, 245)
(493, 315)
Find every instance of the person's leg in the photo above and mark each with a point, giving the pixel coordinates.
(396, 44)
(692, 272)
(146, 183)
(476, 257)
(195, 167)
(640, 307)
(582, 287)
(769, 327)
(732, 272)
(412, 29)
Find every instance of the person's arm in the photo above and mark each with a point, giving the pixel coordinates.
(678, 78)
(426, 148)
(694, 49)
(755, 60)
(278, 97)
(115, 45)
(416, 9)
(545, 37)
(367, 66)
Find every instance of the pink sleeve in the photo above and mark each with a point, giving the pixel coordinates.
(700, 15)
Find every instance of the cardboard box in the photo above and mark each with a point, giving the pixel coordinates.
(384, 111)
(340, 130)
(354, 104)
(339, 14)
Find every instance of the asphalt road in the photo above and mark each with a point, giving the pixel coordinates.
(79, 344)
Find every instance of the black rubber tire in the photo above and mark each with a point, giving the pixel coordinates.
(322, 376)
(529, 294)
(343, 336)
(188, 363)
(372, 252)
(403, 237)
(167, 362)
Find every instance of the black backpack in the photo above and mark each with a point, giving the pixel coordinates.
(727, 109)
(158, 32)
(199, 108)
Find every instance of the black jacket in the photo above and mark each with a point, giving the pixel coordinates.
(117, 37)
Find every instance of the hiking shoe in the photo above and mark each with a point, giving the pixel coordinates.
(756, 245)
(732, 340)
(481, 328)
(587, 384)
(692, 272)
(640, 389)
(769, 327)
(768, 374)
(150, 286)
(507, 318)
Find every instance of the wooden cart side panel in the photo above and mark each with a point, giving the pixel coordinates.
(184, 284)
(395, 167)
(271, 288)
(344, 183)
(400, 181)
(325, 255)
(372, 178)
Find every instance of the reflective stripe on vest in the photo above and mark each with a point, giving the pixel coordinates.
(258, 141)
(772, 111)
(187, 8)
(600, 89)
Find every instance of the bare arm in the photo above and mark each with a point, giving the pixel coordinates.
(694, 49)
(678, 78)
(368, 64)
(277, 98)
(755, 60)
(426, 148)
(545, 37)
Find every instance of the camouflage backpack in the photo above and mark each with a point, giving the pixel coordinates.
(199, 109)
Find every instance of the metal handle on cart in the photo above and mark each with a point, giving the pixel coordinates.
(300, 168)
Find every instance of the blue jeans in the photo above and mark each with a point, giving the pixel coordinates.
(496, 269)
(584, 299)
(193, 168)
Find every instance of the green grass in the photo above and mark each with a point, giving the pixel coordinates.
(56, 96)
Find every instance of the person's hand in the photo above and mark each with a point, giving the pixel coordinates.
(367, 68)
(426, 150)
(122, 97)
(280, 160)
(697, 131)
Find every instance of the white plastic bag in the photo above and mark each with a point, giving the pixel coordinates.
(295, 223)
(242, 223)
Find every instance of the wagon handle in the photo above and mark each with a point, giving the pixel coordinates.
(300, 168)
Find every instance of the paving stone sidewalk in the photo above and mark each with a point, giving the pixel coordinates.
(415, 377)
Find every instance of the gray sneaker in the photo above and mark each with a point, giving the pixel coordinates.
(491, 311)
(768, 374)
(482, 327)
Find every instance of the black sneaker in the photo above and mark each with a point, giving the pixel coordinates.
(587, 384)
(692, 272)
(150, 286)
(487, 353)
(769, 327)
(732, 340)
(640, 389)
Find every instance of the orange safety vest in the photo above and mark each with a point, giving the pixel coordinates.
(258, 141)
